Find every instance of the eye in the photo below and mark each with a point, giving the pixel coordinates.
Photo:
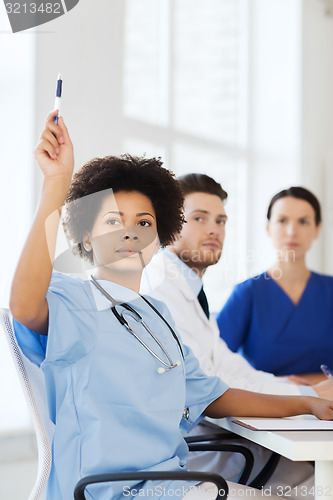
(198, 219)
(282, 220)
(304, 222)
(144, 223)
(221, 222)
(113, 222)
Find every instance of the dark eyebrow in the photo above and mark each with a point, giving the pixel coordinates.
(207, 213)
(140, 214)
(200, 211)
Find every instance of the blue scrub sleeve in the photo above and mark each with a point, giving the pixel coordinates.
(70, 311)
(235, 317)
(201, 390)
(32, 345)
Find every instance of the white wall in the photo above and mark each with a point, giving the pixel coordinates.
(290, 101)
(290, 116)
(85, 46)
(317, 120)
(16, 192)
(274, 110)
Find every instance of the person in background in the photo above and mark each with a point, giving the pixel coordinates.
(282, 320)
(174, 276)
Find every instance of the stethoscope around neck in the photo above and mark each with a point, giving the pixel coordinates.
(167, 365)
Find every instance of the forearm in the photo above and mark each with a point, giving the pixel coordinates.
(54, 154)
(239, 403)
(32, 277)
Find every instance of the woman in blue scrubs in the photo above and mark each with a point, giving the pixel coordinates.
(119, 391)
(282, 320)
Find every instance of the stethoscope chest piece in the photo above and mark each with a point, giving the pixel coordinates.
(174, 365)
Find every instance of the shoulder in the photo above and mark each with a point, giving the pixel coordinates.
(323, 280)
(251, 284)
(59, 281)
(160, 306)
(69, 289)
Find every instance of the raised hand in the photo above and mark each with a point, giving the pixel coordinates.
(54, 151)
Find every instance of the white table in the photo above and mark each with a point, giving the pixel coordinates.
(316, 446)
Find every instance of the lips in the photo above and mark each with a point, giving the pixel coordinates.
(128, 252)
(211, 244)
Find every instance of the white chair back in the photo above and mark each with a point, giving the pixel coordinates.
(33, 384)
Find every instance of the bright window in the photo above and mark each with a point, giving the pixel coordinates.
(16, 190)
(185, 100)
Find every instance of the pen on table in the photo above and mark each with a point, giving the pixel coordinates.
(57, 102)
(326, 371)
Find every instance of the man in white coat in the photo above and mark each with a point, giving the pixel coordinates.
(175, 277)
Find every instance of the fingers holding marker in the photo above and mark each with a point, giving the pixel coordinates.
(48, 142)
(64, 138)
(54, 126)
(51, 137)
(45, 146)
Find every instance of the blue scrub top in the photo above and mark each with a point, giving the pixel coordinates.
(261, 322)
(113, 411)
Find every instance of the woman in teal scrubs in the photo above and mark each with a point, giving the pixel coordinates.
(118, 392)
(282, 320)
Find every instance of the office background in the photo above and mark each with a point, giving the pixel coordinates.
(238, 89)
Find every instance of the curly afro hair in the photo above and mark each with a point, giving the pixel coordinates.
(123, 173)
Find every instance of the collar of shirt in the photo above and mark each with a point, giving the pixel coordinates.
(118, 292)
(194, 281)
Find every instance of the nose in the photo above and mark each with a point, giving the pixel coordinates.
(213, 228)
(130, 234)
(291, 229)
(128, 237)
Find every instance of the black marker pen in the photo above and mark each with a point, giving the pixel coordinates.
(57, 102)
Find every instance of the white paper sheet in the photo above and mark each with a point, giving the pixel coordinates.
(305, 422)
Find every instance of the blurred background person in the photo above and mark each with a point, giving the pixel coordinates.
(282, 320)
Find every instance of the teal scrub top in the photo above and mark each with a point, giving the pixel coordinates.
(111, 408)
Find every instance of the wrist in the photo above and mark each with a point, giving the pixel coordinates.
(57, 184)
(54, 191)
(308, 404)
